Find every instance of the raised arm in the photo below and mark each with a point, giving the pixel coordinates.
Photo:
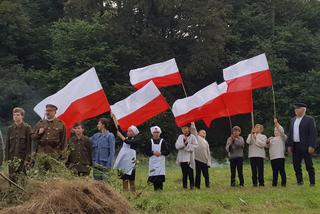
(193, 129)
(192, 143)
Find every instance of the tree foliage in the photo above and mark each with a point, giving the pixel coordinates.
(45, 44)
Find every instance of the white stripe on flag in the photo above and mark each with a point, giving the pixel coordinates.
(249, 66)
(205, 95)
(82, 86)
(152, 71)
(135, 101)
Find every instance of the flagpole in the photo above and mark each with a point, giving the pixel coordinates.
(115, 121)
(274, 102)
(252, 119)
(184, 89)
(230, 121)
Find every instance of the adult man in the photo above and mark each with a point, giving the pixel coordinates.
(18, 144)
(50, 134)
(302, 142)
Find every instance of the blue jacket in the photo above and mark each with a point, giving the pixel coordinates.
(103, 149)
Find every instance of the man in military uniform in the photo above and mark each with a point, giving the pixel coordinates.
(18, 144)
(50, 134)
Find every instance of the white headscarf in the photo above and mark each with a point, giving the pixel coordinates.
(155, 129)
(134, 129)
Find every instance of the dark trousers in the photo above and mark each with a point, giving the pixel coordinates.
(202, 167)
(187, 171)
(158, 185)
(278, 166)
(300, 154)
(236, 163)
(257, 166)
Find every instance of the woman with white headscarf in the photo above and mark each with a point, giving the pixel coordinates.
(156, 150)
(126, 159)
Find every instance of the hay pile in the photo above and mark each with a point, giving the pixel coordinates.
(73, 197)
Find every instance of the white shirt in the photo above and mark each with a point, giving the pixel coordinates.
(296, 135)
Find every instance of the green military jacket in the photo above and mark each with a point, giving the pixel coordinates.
(53, 140)
(18, 142)
(79, 154)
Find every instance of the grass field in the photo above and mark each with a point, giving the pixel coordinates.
(221, 198)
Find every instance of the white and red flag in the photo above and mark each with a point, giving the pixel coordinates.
(80, 99)
(248, 74)
(162, 74)
(140, 106)
(234, 103)
(206, 102)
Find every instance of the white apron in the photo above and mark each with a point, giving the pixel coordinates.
(126, 159)
(157, 165)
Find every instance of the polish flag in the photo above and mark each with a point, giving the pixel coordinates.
(162, 74)
(235, 103)
(80, 99)
(204, 103)
(140, 106)
(248, 74)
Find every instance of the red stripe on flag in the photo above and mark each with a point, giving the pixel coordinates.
(250, 82)
(213, 107)
(151, 109)
(235, 103)
(85, 108)
(163, 81)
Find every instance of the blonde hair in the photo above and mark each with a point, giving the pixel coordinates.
(260, 126)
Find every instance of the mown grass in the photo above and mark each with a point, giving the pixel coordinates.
(221, 198)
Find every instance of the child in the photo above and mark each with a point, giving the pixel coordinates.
(234, 147)
(257, 142)
(79, 151)
(202, 156)
(185, 144)
(18, 145)
(126, 159)
(103, 149)
(276, 150)
(156, 150)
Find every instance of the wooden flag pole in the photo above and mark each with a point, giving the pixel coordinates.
(252, 119)
(184, 89)
(230, 121)
(274, 102)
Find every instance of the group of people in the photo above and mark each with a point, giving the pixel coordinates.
(301, 143)
(81, 153)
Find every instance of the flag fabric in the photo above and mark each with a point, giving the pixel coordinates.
(206, 102)
(162, 74)
(248, 74)
(80, 99)
(235, 103)
(140, 106)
